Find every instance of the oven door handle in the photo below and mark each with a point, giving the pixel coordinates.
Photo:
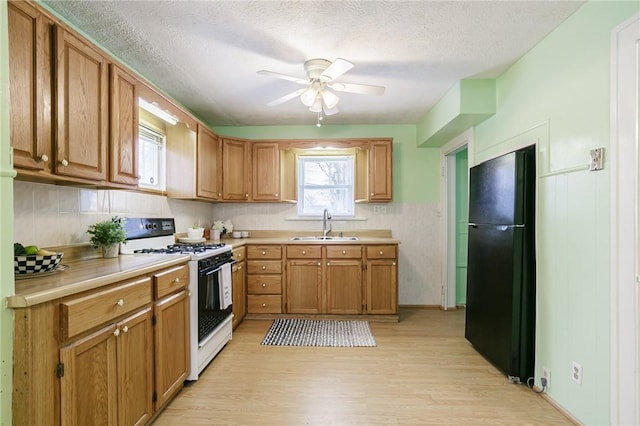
(215, 268)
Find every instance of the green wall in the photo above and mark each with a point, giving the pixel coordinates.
(557, 96)
(6, 225)
(416, 176)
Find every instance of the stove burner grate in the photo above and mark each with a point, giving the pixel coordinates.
(181, 248)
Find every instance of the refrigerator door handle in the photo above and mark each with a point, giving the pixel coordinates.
(494, 226)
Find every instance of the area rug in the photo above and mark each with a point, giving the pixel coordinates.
(301, 332)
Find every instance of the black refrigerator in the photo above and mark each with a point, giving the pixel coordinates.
(500, 311)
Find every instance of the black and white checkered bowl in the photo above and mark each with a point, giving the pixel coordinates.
(33, 264)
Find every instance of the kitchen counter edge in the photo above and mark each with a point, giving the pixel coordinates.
(84, 275)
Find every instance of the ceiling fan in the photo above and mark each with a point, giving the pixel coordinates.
(321, 76)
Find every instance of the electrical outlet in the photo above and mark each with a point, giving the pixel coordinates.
(597, 157)
(547, 375)
(576, 372)
(379, 209)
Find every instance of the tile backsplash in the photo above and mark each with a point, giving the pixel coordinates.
(51, 215)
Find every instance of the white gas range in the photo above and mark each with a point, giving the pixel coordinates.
(210, 287)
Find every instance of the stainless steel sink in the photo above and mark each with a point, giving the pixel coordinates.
(327, 238)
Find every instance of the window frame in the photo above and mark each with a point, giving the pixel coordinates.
(158, 137)
(349, 187)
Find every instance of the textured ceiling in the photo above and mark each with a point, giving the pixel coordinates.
(206, 53)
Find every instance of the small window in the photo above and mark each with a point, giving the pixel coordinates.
(151, 159)
(326, 182)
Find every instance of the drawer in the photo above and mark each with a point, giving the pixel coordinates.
(83, 313)
(264, 252)
(381, 252)
(240, 253)
(344, 252)
(264, 267)
(304, 252)
(264, 284)
(170, 280)
(264, 304)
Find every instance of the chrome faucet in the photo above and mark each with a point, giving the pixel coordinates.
(325, 217)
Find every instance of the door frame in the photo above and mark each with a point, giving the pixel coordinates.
(624, 228)
(448, 213)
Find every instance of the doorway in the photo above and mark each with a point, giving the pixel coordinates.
(455, 207)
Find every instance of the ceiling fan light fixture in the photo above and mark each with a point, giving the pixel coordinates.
(329, 99)
(308, 97)
(316, 106)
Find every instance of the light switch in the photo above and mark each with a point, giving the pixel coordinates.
(597, 157)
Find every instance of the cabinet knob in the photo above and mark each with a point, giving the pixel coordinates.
(344, 252)
(319, 264)
(240, 268)
(219, 194)
(264, 305)
(264, 285)
(120, 302)
(44, 158)
(246, 196)
(116, 332)
(189, 294)
(264, 253)
(328, 263)
(394, 263)
(304, 252)
(125, 329)
(64, 163)
(372, 194)
(276, 195)
(381, 252)
(177, 280)
(264, 267)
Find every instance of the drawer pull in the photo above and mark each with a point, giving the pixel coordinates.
(264, 267)
(64, 163)
(381, 252)
(44, 158)
(240, 268)
(264, 305)
(304, 252)
(125, 329)
(176, 281)
(264, 285)
(116, 332)
(344, 252)
(120, 302)
(319, 264)
(328, 263)
(394, 263)
(264, 252)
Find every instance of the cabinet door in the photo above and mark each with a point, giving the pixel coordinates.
(135, 374)
(304, 287)
(380, 171)
(88, 388)
(30, 86)
(123, 164)
(344, 287)
(209, 172)
(239, 293)
(235, 169)
(266, 172)
(382, 287)
(171, 345)
(82, 108)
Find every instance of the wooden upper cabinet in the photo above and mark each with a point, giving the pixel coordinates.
(236, 169)
(82, 108)
(266, 172)
(30, 86)
(380, 171)
(209, 170)
(123, 164)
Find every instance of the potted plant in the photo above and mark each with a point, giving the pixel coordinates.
(108, 235)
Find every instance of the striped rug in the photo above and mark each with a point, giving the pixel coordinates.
(302, 332)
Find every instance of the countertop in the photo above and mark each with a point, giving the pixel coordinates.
(83, 275)
(89, 274)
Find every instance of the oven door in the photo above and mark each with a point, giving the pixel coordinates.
(214, 292)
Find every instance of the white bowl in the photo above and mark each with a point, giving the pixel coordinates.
(194, 233)
(237, 234)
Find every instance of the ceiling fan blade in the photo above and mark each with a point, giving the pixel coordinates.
(286, 98)
(283, 76)
(335, 70)
(362, 89)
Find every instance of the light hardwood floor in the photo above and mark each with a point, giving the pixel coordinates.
(422, 372)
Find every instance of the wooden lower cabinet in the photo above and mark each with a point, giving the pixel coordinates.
(239, 294)
(304, 286)
(264, 279)
(106, 377)
(382, 280)
(171, 345)
(344, 287)
(101, 357)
